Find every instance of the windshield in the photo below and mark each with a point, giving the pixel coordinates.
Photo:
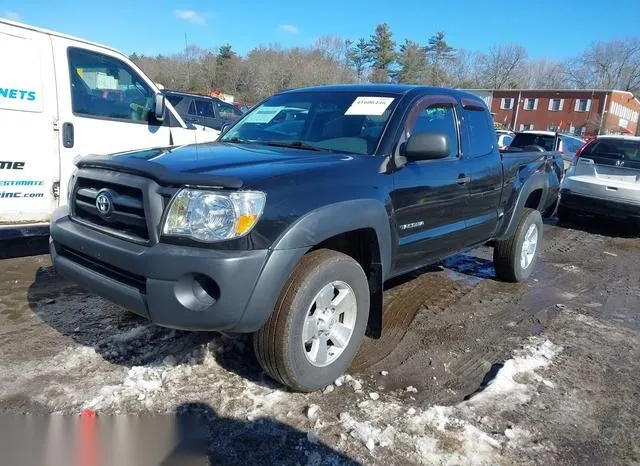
(350, 122)
(618, 149)
(532, 139)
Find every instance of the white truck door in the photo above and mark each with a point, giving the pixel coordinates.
(29, 159)
(105, 105)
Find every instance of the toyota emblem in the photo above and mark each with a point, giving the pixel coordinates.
(104, 203)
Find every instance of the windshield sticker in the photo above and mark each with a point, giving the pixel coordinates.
(375, 106)
(263, 115)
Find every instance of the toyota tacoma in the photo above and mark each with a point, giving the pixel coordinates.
(288, 228)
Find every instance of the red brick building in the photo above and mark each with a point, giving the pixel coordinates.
(580, 112)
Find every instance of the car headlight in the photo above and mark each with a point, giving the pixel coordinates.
(213, 216)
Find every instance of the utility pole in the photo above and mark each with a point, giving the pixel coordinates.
(186, 57)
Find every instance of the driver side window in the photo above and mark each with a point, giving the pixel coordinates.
(104, 87)
(438, 119)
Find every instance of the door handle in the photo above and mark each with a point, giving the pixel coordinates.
(463, 179)
(67, 135)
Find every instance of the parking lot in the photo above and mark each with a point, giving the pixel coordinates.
(469, 369)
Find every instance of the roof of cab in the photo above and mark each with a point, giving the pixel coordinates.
(398, 89)
(55, 33)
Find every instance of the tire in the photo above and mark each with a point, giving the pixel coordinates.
(279, 344)
(508, 254)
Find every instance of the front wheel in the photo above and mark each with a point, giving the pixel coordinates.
(318, 323)
(515, 257)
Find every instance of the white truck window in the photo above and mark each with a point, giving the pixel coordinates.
(20, 75)
(105, 87)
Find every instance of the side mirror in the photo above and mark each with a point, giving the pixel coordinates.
(159, 107)
(225, 127)
(427, 146)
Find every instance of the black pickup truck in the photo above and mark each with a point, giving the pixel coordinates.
(288, 228)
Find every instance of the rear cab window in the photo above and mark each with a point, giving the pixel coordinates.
(480, 134)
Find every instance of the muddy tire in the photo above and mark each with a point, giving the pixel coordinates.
(515, 257)
(318, 322)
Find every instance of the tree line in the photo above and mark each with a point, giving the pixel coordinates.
(379, 58)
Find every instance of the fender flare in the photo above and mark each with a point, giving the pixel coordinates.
(538, 180)
(341, 217)
(308, 231)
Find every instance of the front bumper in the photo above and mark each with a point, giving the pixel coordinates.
(174, 286)
(604, 207)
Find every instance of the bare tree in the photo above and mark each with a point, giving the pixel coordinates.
(502, 66)
(608, 65)
(544, 74)
(269, 68)
(462, 71)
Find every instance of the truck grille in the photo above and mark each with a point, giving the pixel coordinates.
(122, 215)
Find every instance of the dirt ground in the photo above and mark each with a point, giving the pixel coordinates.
(470, 370)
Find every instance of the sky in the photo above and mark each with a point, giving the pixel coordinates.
(547, 29)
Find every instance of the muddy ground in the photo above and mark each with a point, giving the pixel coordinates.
(470, 370)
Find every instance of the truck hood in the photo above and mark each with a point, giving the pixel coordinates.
(215, 164)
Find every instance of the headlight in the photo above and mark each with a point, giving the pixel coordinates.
(211, 216)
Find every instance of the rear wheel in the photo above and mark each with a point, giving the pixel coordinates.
(318, 323)
(515, 258)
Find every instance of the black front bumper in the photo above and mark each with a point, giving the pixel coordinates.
(595, 206)
(174, 286)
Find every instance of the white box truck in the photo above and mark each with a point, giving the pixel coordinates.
(62, 98)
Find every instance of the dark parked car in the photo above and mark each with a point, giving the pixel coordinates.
(566, 144)
(291, 235)
(203, 110)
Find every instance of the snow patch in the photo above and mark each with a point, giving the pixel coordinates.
(504, 391)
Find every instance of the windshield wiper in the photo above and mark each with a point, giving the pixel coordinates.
(237, 140)
(294, 145)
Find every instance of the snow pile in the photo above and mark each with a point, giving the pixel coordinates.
(505, 390)
(453, 434)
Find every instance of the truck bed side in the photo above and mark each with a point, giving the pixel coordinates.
(530, 179)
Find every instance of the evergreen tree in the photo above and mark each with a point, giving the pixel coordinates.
(225, 53)
(357, 57)
(412, 62)
(381, 53)
(439, 54)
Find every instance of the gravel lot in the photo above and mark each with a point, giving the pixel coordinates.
(469, 370)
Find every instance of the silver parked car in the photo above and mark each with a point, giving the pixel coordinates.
(604, 179)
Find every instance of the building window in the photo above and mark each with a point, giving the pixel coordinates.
(506, 103)
(530, 104)
(555, 105)
(582, 105)
(526, 127)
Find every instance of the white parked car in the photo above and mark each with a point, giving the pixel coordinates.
(604, 179)
(62, 98)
